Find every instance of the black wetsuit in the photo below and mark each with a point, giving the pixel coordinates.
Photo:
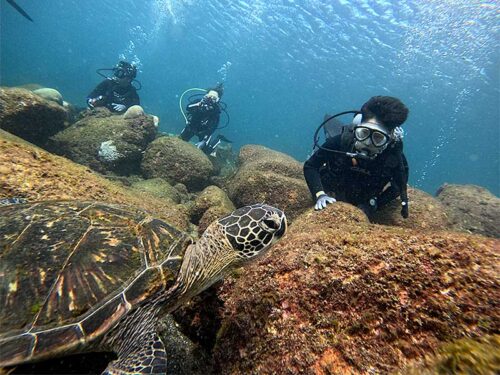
(203, 119)
(111, 93)
(357, 181)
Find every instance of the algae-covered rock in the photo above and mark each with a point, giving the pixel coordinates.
(106, 144)
(184, 357)
(289, 194)
(340, 295)
(49, 94)
(178, 162)
(159, 188)
(30, 172)
(426, 212)
(261, 158)
(29, 116)
(270, 177)
(211, 196)
(471, 209)
(465, 356)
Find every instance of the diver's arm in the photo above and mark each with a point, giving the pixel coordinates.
(311, 172)
(100, 90)
(400, 182)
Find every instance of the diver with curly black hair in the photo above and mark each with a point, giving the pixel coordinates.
(363, 165)
(117, 93)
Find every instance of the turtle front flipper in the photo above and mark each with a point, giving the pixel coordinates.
(145, 355)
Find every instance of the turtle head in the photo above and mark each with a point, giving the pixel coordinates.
(230, 242)
(251, 230)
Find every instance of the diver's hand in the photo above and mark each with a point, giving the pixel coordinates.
(322, 201)
(118, 107)
(91, 102)
(404, 210)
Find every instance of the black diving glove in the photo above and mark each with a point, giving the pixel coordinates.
(404, 209)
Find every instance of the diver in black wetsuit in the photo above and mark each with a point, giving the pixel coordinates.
(203, 118)
(365, 164)
(116, 93)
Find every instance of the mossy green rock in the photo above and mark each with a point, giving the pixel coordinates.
(426, 212)
(49, 94)
(269, 177)
(106, 143)
(159, 188)
(211, 196)
(471, 209)
(178, 162)
(29, 116)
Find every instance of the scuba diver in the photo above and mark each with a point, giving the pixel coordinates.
(117, 92)
(362, 163)
(202, 119)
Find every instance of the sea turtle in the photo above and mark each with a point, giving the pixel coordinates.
(84, 276)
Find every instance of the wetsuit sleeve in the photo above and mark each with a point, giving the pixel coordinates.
(399, 183)
(101, 89)
(312, 167)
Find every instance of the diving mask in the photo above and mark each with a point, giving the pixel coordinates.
(212, 96)
(371, 138)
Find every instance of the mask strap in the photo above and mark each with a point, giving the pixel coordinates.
(357, 119)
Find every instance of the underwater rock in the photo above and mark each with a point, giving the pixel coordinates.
(29, 116)
(261, 158)
(270, 177)
(177, 161)
(471, 208)
(159, 188)
(340, 295)
(30, 172)
(289, 194)
(106, 144)
(211, 196)
(184, 357)
(133, 112)
(426, 212)
(464, 356)
(49, 94)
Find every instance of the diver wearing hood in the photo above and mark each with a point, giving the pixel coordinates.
(117, 92)
(365, 164)
(202, 119)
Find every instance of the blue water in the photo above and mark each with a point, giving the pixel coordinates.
(285, 64)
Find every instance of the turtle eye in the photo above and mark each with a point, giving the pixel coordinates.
(270, 225)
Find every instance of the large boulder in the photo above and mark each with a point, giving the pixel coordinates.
(212, 203)
(426, 212)
(211, 196)
(52, 95)
(270, 177)
(178, 162)
(159, 188)
(471, 209)
(340, 295)
(30, 172)
(29, 116)
(106, 144)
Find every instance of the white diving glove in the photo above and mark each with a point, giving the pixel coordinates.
(118, 107)
(323, 200)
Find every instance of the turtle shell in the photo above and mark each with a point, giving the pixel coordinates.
(70, 270)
